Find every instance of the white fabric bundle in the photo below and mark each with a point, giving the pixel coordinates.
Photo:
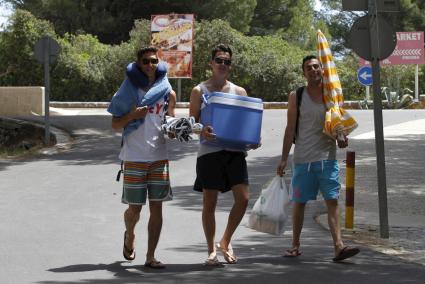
(181, 128)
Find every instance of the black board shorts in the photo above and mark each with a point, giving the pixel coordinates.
(221, 171)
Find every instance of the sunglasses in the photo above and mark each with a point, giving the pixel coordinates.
(146, 61)
(221, 61)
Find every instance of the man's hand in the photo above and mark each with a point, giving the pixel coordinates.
(207, 133)
(342, 141)
(139, 112)
(254, 146)
(281, 168)
(171, 135)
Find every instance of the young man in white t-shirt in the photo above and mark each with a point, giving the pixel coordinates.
(146, 168)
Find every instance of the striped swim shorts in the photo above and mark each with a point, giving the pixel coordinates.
(146, 179)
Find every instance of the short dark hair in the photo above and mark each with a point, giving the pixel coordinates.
(144, 50)
(220, 47)
(307, 58)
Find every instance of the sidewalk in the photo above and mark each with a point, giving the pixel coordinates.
(406, 231)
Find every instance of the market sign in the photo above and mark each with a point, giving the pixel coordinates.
(408, 51)
(173, 35)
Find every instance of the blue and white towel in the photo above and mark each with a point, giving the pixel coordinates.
(127, 95)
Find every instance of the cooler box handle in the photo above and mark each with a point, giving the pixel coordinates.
(205, 98)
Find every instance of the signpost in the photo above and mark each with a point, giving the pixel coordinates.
(376, 40)
(46, 51)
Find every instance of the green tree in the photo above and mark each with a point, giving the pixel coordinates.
(18, 66)
(111, 20)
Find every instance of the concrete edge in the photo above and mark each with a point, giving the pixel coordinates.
(63, 138)
(367, 235)
(266, 105)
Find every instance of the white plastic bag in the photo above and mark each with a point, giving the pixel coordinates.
(270, 211)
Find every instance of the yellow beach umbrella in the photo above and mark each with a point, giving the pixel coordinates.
(338, 122)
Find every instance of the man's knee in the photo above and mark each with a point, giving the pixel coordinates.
(133, 210)
(209, 206)
(298, 206)
(155, 207)
(209, 200)
(242, 200)
(241, 194)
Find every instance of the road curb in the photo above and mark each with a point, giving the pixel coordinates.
(266, 105)
(367, 235)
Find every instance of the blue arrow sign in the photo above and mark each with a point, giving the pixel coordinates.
(364, 75)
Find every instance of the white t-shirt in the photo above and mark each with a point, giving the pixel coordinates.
(147, 143)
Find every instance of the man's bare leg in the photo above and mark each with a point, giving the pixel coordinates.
(208, 217)
(297, 226)
(241, 198)
(334, 226)
(131, 217)
(154, 228)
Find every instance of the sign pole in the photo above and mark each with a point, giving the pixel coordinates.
(367, 93)
(179, 90)
(46, 93)
(417, 83)
(46, 50)
(379, 131)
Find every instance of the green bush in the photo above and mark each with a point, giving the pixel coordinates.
(79, 73)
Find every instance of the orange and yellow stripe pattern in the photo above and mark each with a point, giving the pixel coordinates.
(337, 120)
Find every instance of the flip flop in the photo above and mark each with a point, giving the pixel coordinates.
(293, 252)
(154, 264)
(228, 254)
(212, 260)
(129, 254)
(345, 253)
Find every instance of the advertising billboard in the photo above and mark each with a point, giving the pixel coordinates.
(173, 35)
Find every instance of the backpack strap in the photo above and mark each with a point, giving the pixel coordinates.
(299, 96)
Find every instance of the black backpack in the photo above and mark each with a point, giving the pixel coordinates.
(299, 94)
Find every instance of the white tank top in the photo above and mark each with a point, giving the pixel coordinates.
(147, 143)
(312, 144)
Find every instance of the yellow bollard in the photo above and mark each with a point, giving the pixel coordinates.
(349, 187)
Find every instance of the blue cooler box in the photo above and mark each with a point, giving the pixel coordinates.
(236, 120)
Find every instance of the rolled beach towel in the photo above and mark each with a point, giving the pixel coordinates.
(127, 95)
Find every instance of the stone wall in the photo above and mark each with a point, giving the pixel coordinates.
(15, 101)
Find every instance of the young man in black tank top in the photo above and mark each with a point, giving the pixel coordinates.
(310, 173)
(219, 170)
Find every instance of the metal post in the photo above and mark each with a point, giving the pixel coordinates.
(417, 83)
(179, 90)
(379, 131)
(349, 189)
(367, 93)
(46, 93)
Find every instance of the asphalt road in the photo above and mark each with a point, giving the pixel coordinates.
(61, 216)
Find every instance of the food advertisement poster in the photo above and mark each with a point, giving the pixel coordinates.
(173, 35)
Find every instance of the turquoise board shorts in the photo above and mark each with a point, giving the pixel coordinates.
(309, 178)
